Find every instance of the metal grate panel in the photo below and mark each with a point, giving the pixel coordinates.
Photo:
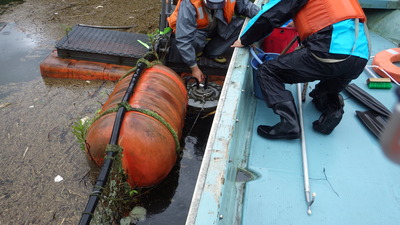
(100, 45)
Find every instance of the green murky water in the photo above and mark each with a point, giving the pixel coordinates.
(36, 115)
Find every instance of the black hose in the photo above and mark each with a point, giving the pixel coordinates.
(206, 82)
(187, 79)
(106, 168)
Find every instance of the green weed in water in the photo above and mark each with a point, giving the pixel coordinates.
(118, 197)
(80, 129)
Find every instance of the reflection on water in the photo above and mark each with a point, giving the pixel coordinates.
(19, 57)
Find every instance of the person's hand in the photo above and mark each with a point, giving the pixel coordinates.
(196, 72)
(238, 44)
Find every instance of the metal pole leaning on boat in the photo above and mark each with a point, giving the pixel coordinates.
(106, 168)
(310, 199)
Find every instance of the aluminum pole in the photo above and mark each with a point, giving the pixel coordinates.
(310, 199)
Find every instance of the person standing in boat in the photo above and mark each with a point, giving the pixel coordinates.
(207, 27)
(334, 51)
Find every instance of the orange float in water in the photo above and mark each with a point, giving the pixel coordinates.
(149, 148)
(56, 67)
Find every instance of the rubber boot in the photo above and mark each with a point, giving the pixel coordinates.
(320, 100)
(331, 116)
(287, 128)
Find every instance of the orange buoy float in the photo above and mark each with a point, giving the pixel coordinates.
(56, 67)
(383, 63)
(149, 146)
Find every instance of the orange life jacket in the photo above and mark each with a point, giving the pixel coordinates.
(317, 14)
(202, 18)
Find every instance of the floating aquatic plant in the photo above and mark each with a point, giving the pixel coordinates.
(80, 129)
(117, 198)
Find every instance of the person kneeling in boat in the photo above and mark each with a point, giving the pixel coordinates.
(334, 51)
(207, 27)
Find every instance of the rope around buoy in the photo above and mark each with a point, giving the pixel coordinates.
(147, 112)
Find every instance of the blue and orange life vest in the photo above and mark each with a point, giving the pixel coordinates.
(317, 14)
(202, 18)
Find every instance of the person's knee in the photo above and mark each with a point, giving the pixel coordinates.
(266, 70)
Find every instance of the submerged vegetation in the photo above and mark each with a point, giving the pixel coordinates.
(116, 200)
(6, 4)
(117, 197)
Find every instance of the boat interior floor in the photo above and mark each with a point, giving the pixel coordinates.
(354, 181)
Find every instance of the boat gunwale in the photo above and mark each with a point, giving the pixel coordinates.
(210, 150)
